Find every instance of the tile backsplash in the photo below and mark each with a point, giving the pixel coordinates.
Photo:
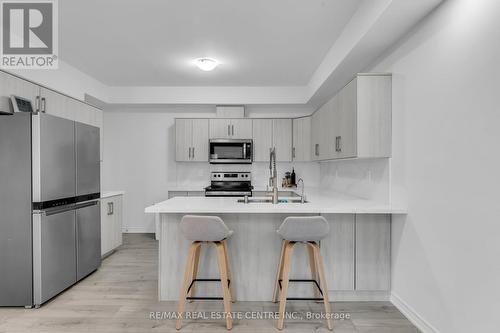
(364, 178)
(189, 174)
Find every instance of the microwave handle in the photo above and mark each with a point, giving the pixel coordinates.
(244, 151)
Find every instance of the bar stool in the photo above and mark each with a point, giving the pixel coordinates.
(205, 229)
(308, 230)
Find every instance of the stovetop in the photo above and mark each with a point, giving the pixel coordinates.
(230, 184)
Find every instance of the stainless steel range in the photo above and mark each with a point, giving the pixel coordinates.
(230, 184)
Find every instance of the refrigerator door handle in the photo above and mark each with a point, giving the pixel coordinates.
(55, 211)
(86, 204)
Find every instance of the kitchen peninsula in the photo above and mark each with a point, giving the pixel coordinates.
(356, 252)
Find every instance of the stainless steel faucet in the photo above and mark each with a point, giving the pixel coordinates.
(273, 175)
(302, 197)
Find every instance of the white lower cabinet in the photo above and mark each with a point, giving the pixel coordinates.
(111, 223)
(357, 252)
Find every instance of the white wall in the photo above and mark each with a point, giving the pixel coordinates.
(139, 158)
(446, 133)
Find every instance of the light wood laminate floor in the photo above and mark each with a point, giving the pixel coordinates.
(121, 295)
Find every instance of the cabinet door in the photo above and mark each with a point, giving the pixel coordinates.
(107, 226)
(329, 129)
(282, 139)
(338, 251)
(118, 220)
(373, 252)
(58, 105)
(322, 132)
(183, 139)
(220, 128)
(199, 147)
(11, 85)
(346, 119)
(241, 128)
(301, 149)
(262, 139)
(315, 135)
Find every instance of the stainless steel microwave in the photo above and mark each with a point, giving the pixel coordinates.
(230, 151)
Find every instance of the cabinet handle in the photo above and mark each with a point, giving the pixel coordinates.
(338, 147)
(316, 149)
(43, 105)
(193, 152)
(110, 208)
(37, 103)
(228, 130)
(232, 130)
(293, 152)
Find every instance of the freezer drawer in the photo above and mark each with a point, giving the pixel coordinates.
(54, 167)
(54, 253)
(87, 159)
(88, 238)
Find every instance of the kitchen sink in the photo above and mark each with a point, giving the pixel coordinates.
(269, 200)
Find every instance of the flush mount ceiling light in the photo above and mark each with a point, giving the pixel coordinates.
(206, 64)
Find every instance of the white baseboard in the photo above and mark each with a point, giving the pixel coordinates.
(137, 230)
(412, 315)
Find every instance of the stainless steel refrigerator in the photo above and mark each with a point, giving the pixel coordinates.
(49, 206)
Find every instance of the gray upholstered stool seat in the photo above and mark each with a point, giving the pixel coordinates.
(307, 230)
(304, 228)
(204, 228)
(208, 230)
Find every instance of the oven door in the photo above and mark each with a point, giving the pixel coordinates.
(230, 151)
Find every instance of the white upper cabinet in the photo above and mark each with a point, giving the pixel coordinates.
(269, 133)
(58, 105)
(191, 140)
(235, 128)
(220, 128)
(282, 139)
(241, 128)
(356, 122)
(301, 149)
(262, 139)
(200, 140)
(11, 85)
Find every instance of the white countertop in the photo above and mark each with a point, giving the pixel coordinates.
(319, 203)
(107, 194)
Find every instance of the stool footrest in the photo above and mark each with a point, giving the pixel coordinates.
(205, 298)
(304, 298)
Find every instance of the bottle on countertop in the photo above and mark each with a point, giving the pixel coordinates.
(292, 178)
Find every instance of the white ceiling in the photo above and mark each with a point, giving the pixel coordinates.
(272, 51)
(152, 43)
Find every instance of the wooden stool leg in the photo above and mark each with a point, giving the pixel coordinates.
(314, 271)
(279, 272)
(223, 279)
(185, 284)
(229, 271)
(284, 282)
(324, 287)
(194, 274)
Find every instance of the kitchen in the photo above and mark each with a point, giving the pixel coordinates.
(326, 152)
